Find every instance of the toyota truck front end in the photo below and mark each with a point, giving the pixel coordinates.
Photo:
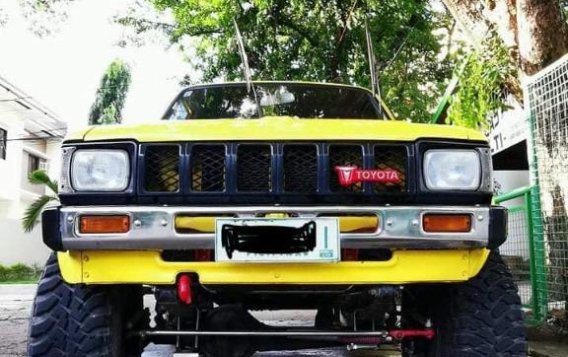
(292, 196)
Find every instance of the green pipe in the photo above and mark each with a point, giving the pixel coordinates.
(521, 191)
(536, 303)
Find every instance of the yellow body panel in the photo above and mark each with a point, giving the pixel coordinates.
(198, 224)
(206, 224)
(123, 267)
(354, 224)
(276, 128)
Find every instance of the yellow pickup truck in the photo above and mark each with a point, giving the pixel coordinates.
(272, 196)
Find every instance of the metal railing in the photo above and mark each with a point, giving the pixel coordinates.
(524, 252)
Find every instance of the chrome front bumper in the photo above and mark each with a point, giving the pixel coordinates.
(153, 227)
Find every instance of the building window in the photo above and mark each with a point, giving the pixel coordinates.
(33, 163)
(3, 143)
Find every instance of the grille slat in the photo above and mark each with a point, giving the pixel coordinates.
(254, 168)
(300, 168)
(344, 155)
(162, 168)
(208, 168)
(393, 158)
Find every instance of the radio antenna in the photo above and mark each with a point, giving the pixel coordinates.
(372, 62)
(246, 68)
(243, 54)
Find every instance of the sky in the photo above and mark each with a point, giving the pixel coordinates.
(63, 70)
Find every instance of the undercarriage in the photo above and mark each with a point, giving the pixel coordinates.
(198, 318)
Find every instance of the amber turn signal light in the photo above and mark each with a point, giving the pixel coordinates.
(446, 223)
(104, 224)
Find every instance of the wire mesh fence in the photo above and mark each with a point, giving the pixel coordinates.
(547, 102)
(520, 253)
(516, 253)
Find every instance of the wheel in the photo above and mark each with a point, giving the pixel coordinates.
(81, 320)
(481, 317)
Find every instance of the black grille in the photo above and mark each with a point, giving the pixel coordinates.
(162, 168)
(393, 158)
(300, 168)
(344, 155)
(254, 168)
(284, 172)
(208, 168)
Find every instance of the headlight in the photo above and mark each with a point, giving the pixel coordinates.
(100, 170)
(452, 170)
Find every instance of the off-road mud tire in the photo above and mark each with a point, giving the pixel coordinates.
(481, 317)
(80, 320)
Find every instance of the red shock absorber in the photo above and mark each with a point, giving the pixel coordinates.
(427, 333)
(184, 289)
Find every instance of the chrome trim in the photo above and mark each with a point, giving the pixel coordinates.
(65, 179)
(153, 227)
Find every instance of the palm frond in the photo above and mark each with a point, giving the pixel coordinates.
(31, 216)
(40, 177)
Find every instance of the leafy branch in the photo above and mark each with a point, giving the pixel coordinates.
(33, 212)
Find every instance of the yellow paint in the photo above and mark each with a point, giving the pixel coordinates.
(198, 224)
(71, 266)
(358, 223)
(276, 128)
(206, 224)
(477, 259)
(123, 267)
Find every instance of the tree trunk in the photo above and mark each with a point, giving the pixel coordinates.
(534, 31)
(543, 34)
(468, 15)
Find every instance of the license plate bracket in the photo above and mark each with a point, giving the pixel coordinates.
(277, 240)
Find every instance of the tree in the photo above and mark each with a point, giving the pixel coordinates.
(511, 39)
(31, 216)
(43, 17)
(321, 41)
(534, 31)
(111, 94)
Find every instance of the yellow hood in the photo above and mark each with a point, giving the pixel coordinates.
(275, 128)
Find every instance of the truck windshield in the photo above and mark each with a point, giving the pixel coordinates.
(309, 101)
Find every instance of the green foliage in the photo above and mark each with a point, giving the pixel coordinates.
(481, 87)
(19, 273)
(111, 94)
(40, 177)
(33, 212)
(319, 40)
(44, 17)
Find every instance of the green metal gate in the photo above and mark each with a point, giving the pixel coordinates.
(524, 253)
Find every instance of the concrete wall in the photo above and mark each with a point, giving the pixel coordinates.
(10, 169)
(19, 247)
(15, 193)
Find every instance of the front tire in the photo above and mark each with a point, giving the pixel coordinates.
(481, 317)
(81, 320)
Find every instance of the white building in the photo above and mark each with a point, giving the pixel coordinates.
(30, 139)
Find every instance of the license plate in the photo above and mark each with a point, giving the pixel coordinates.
(277, 240)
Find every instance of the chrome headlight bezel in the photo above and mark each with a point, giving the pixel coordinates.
(68, 184)
(479, 162)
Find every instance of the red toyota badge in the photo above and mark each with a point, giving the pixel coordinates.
(348, 175)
